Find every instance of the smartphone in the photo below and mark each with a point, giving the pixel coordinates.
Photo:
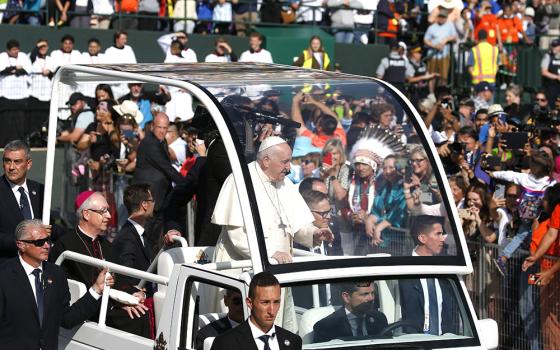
(491, 162)
(129, 134)
(515, 140)
(500, 191)
(327, 159)
(533, 277)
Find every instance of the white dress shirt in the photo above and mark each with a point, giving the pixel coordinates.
(272, 341)
(427, 299)
(29, 272)
(15, 190)
(138, 228)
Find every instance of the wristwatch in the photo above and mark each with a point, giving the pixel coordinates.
(332, 178)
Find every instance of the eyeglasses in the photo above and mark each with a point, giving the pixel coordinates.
(37, 242)
(323, 214)
(100, 211)
(417, 161)
(307, 161)
(540, 99)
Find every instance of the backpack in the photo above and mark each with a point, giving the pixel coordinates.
(530, 203)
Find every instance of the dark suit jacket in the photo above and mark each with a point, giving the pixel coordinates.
(11, 216)
(176, 211)
(412, 304)
(213, 329)
(213, 174)
(336, 325)
(241, 337)
(153, 167)
(130, 251)
(78, 242)
(19, 322)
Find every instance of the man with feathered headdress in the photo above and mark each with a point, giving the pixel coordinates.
(367, 155)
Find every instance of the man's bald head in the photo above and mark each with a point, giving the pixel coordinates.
(160, 125)
(275, 161)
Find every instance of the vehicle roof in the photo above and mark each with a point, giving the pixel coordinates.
(217, 73)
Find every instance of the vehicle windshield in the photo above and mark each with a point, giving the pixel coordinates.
(424, 311)
(361, 141)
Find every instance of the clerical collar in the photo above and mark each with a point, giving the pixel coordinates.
(218, 54)
(81, 231)
(255, 51)
(120, 48)
(94, 55)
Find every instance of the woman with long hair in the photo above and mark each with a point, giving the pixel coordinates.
(314, 56)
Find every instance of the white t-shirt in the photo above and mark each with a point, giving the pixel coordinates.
(116, 55)
(262, 56)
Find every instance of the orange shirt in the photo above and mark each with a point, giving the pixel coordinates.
(540, 231)
(488, 23)
(509, 29)
(319, 140)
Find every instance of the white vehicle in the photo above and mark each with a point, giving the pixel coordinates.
(187, 291)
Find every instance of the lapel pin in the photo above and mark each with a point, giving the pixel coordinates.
(33, 193)
(371, 319)
(49, 280)
(287, 342)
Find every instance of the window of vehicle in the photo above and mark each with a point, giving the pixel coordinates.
(425, 310)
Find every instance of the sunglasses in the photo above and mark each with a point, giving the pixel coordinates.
(37, 242)
(540, 99)
(307, 161)
(417, 161)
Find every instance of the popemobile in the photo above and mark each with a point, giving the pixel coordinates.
(412, 271)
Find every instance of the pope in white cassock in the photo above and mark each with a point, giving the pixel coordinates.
(284, 215)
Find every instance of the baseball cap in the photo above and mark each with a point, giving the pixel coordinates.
(75, 97)
(529, 11)
(483, 86)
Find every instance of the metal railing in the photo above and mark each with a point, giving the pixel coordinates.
(521, 310)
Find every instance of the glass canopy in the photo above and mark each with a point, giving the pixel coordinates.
(394, 185)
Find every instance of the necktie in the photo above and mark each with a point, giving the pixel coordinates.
(265, 338)
(24, 204)
(39, 294)
(360, 326)
(434, 309)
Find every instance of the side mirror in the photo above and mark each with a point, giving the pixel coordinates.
(488, 331)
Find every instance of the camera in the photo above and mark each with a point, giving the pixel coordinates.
(457, 148)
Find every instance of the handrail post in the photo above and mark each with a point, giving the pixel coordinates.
(104, 305)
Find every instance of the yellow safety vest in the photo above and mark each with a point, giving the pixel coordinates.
(308, 60)
(485, 65)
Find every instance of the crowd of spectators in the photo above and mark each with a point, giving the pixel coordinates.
(501, 158)
(357, 21)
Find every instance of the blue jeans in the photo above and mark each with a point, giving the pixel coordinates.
(522, 234)
(529, 309)
(344, 36)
